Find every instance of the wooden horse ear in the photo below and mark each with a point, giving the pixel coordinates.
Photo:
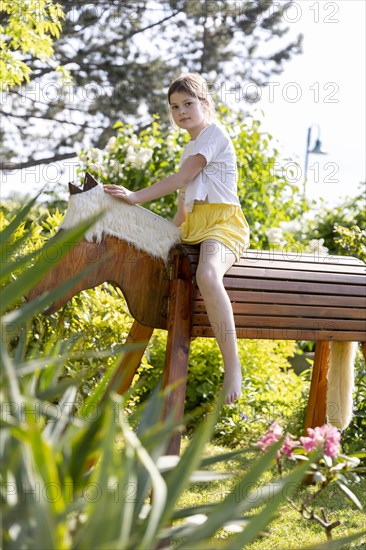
(89, 182)
(73, 189)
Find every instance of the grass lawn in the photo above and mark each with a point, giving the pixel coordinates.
(288, 530)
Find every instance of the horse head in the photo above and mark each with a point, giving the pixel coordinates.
(127, 245)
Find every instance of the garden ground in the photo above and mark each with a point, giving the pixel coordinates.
(288, 529)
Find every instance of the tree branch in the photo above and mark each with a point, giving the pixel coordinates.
(7, 166)
(43, 117)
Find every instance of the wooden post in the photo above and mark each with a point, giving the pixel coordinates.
(132, 359)
(316, 409)
(177, 352)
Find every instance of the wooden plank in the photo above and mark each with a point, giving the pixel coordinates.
(285, 256)
(302, 266)
(275, 310)
(247, 296)
(316, 409)
(293, 286)
(253, 256)
(288, 322)
(355, 269)
(288, 274)
(272, 333)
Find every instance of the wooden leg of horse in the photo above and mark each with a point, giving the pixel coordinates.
(315, 413)
(177, 352)
(122, 378)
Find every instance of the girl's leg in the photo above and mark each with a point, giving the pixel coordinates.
(214, 261)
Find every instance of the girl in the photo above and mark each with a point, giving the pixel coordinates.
(208, 212)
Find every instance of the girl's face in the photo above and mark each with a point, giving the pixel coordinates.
(188, 113)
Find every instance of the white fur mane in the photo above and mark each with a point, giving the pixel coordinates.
(136, 225)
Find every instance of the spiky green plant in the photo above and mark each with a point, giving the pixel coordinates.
(66, 484)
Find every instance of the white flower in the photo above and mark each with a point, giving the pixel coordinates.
(291, 227)
(112, 140)
(145, 154)
(170, 144)
(153, 143)
(131, 158)
(96, 155)
(114, 167)
(133, 139)
(274, 234)
(83, 156)
(139, 158)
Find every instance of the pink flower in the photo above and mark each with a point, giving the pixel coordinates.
(272, 436)
(332, 440)
(288, 445)
(315, 439)
(325, 437)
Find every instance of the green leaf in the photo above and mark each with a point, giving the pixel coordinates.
(6, 235)
(349, 494)
(178, 478)
(30, 277)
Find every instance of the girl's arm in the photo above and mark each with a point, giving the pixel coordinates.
(181, 214)
(189, 170)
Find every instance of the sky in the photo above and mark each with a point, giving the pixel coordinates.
(322, 89)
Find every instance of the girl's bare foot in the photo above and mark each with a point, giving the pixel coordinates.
(232, 383)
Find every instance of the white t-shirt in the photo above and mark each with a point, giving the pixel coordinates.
(217, 182)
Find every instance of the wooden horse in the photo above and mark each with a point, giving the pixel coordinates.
(273, 296)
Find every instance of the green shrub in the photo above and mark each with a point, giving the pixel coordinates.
(351, 241)
(323, 223)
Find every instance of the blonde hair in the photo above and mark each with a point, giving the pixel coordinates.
(194, 85)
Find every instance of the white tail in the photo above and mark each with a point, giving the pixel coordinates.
(340, 383)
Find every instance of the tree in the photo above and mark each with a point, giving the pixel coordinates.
(122, 56)
(27, 28)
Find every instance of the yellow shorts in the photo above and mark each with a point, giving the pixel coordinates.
(223, 222)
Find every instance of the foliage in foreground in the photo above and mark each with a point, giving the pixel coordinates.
(65, 483)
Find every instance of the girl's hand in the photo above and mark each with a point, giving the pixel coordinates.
(120, 193)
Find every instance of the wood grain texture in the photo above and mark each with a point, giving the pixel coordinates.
(177, 351)
(315, 412)
(138, 337)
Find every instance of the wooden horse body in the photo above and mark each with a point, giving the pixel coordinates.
(273, 297)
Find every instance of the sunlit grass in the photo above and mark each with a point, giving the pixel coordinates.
(289, 530)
